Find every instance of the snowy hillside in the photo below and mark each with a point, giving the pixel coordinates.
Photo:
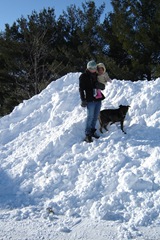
(47, 172)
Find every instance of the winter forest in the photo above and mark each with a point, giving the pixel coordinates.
(41, 48)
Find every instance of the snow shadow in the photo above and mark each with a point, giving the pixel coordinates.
(10, 194)
(146, 134)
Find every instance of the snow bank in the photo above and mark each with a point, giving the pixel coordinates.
(48, 171)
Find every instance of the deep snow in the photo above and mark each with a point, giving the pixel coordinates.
(55, 186)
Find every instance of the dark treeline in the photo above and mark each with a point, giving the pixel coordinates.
(41, 48)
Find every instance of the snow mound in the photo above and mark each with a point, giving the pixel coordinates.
(47, 170)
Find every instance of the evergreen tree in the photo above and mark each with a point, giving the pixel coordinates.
(136, 24)
(80, 36)
(91, 42)
(114, 56)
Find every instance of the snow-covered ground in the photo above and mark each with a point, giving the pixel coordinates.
(53, 185)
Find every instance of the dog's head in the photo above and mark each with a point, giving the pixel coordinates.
(124, 109)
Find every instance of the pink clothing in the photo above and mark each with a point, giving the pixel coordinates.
(99, 94)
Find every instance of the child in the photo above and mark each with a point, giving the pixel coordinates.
(102, 78)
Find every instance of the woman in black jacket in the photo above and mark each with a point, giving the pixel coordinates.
(87, 87)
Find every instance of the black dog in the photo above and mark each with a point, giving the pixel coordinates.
(107, 116)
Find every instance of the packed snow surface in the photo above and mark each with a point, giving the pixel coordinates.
(53, 185)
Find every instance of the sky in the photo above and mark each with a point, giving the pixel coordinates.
(11, 10)
(53, 185)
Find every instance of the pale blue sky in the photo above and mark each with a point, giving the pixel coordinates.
(11, 10)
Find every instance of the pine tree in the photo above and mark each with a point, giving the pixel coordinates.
(80, 36)
(136, 24)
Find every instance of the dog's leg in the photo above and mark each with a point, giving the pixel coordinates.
(100, 129)
(112, 122)
(122, 126)
(105, 126)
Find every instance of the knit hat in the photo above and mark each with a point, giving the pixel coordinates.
(91, 65)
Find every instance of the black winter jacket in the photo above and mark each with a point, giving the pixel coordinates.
(87, 83)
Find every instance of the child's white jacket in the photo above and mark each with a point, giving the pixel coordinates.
(104, 78)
